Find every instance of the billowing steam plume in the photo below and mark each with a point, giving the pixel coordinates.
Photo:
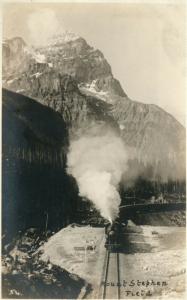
(97, 160)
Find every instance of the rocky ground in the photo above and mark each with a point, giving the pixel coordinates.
(25, 275)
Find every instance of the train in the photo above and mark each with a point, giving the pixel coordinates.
(113, 233)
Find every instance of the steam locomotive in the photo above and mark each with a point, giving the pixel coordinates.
(113, 233)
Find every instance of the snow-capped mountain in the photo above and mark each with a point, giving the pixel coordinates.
(76, 80)
(67, 54)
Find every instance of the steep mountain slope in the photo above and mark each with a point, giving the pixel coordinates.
(76, 80)
(156, 137)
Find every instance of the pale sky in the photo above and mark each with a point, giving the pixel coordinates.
(143, 43)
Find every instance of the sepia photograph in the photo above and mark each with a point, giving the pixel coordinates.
(93, 150)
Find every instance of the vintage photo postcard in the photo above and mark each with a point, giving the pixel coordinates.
(93, 150)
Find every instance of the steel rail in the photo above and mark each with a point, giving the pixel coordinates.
(106, 274)
(118, 275)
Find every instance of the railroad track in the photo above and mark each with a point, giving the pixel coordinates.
(111, 275)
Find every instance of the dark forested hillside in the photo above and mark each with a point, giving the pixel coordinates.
(36, 190)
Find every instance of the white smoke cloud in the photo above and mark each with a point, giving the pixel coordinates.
(98, 160)
(43, 24)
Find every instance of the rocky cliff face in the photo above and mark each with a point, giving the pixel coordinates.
(70, 56)
(76, 80)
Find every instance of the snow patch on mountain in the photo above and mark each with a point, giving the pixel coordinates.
(20, 91)
(11, 80)
(92, 89)
(102, 95)
(121, 126)
(40, 58)
(50, 65)
(36, 74)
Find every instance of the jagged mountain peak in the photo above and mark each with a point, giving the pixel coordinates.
(68, 54)
(65, 37)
